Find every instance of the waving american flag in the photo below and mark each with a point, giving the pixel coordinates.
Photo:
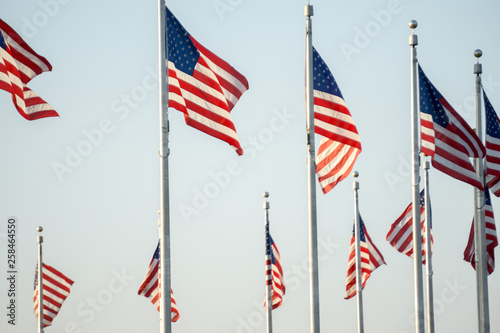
(19, 63)
(446, 137)
(371, 259)
(492, 147)
(201, 85)
(150, 286)
(491, 237)
(400, 236)
(274, 271)
(340, 144)
(56, 288)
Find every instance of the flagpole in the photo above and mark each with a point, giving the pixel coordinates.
(428, 251)
(311, 168)
(357, 230)
(417, 247)
(40, 280)
(269, 301)
(479, 217)
(165, 301)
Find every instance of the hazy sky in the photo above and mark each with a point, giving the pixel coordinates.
(91, 177)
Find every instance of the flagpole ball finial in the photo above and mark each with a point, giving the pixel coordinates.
(266, 194)
(478, 53)
(39, 229)
(413, 24)
(355, 174)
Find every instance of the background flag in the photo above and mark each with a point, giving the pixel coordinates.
(371, 258)
(19, 63)
(340, 144)
(400, 236)
(491, 237)
(446, 137)
(56, 287)
(274, 271)
(201, 85)
(150, 286)
(492, 147)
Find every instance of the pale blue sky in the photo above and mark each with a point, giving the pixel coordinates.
(100, 214)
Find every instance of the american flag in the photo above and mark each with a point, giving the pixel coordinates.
(492, 147)
(446, 137)
(400, 236)
(19, 63)
(56, 287)
(274, 271)
(491, 237)
(340, 144)
(150, 286)
(371, 258)
(201, 85)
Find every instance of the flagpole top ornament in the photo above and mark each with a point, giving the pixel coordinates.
(39, 229)
(355, 184)
(413, 41)
(477, 66)
(266, 203)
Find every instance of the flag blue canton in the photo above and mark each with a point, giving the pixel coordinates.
(362, 237)
(269, 244)
(156, 255)
(492, 125)
(36, 278)
(268, 241)
(487, 197)
(422, 204)
(273, 258)
(180, 49)
(323, 79)
(430, 100)
(2, 42)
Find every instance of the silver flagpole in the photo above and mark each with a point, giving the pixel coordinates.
(40, 280)
(165, 301)
(357, 228)
(428, 251)
(417, 234)
(269, 301)
(479, 218)
(311, 168)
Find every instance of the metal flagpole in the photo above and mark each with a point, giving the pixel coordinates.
(479, 217)
(357, 228)
(311, 168)
(269, 301)
(417, 247)
(40, 280)
(428, 251)
(165, 301)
